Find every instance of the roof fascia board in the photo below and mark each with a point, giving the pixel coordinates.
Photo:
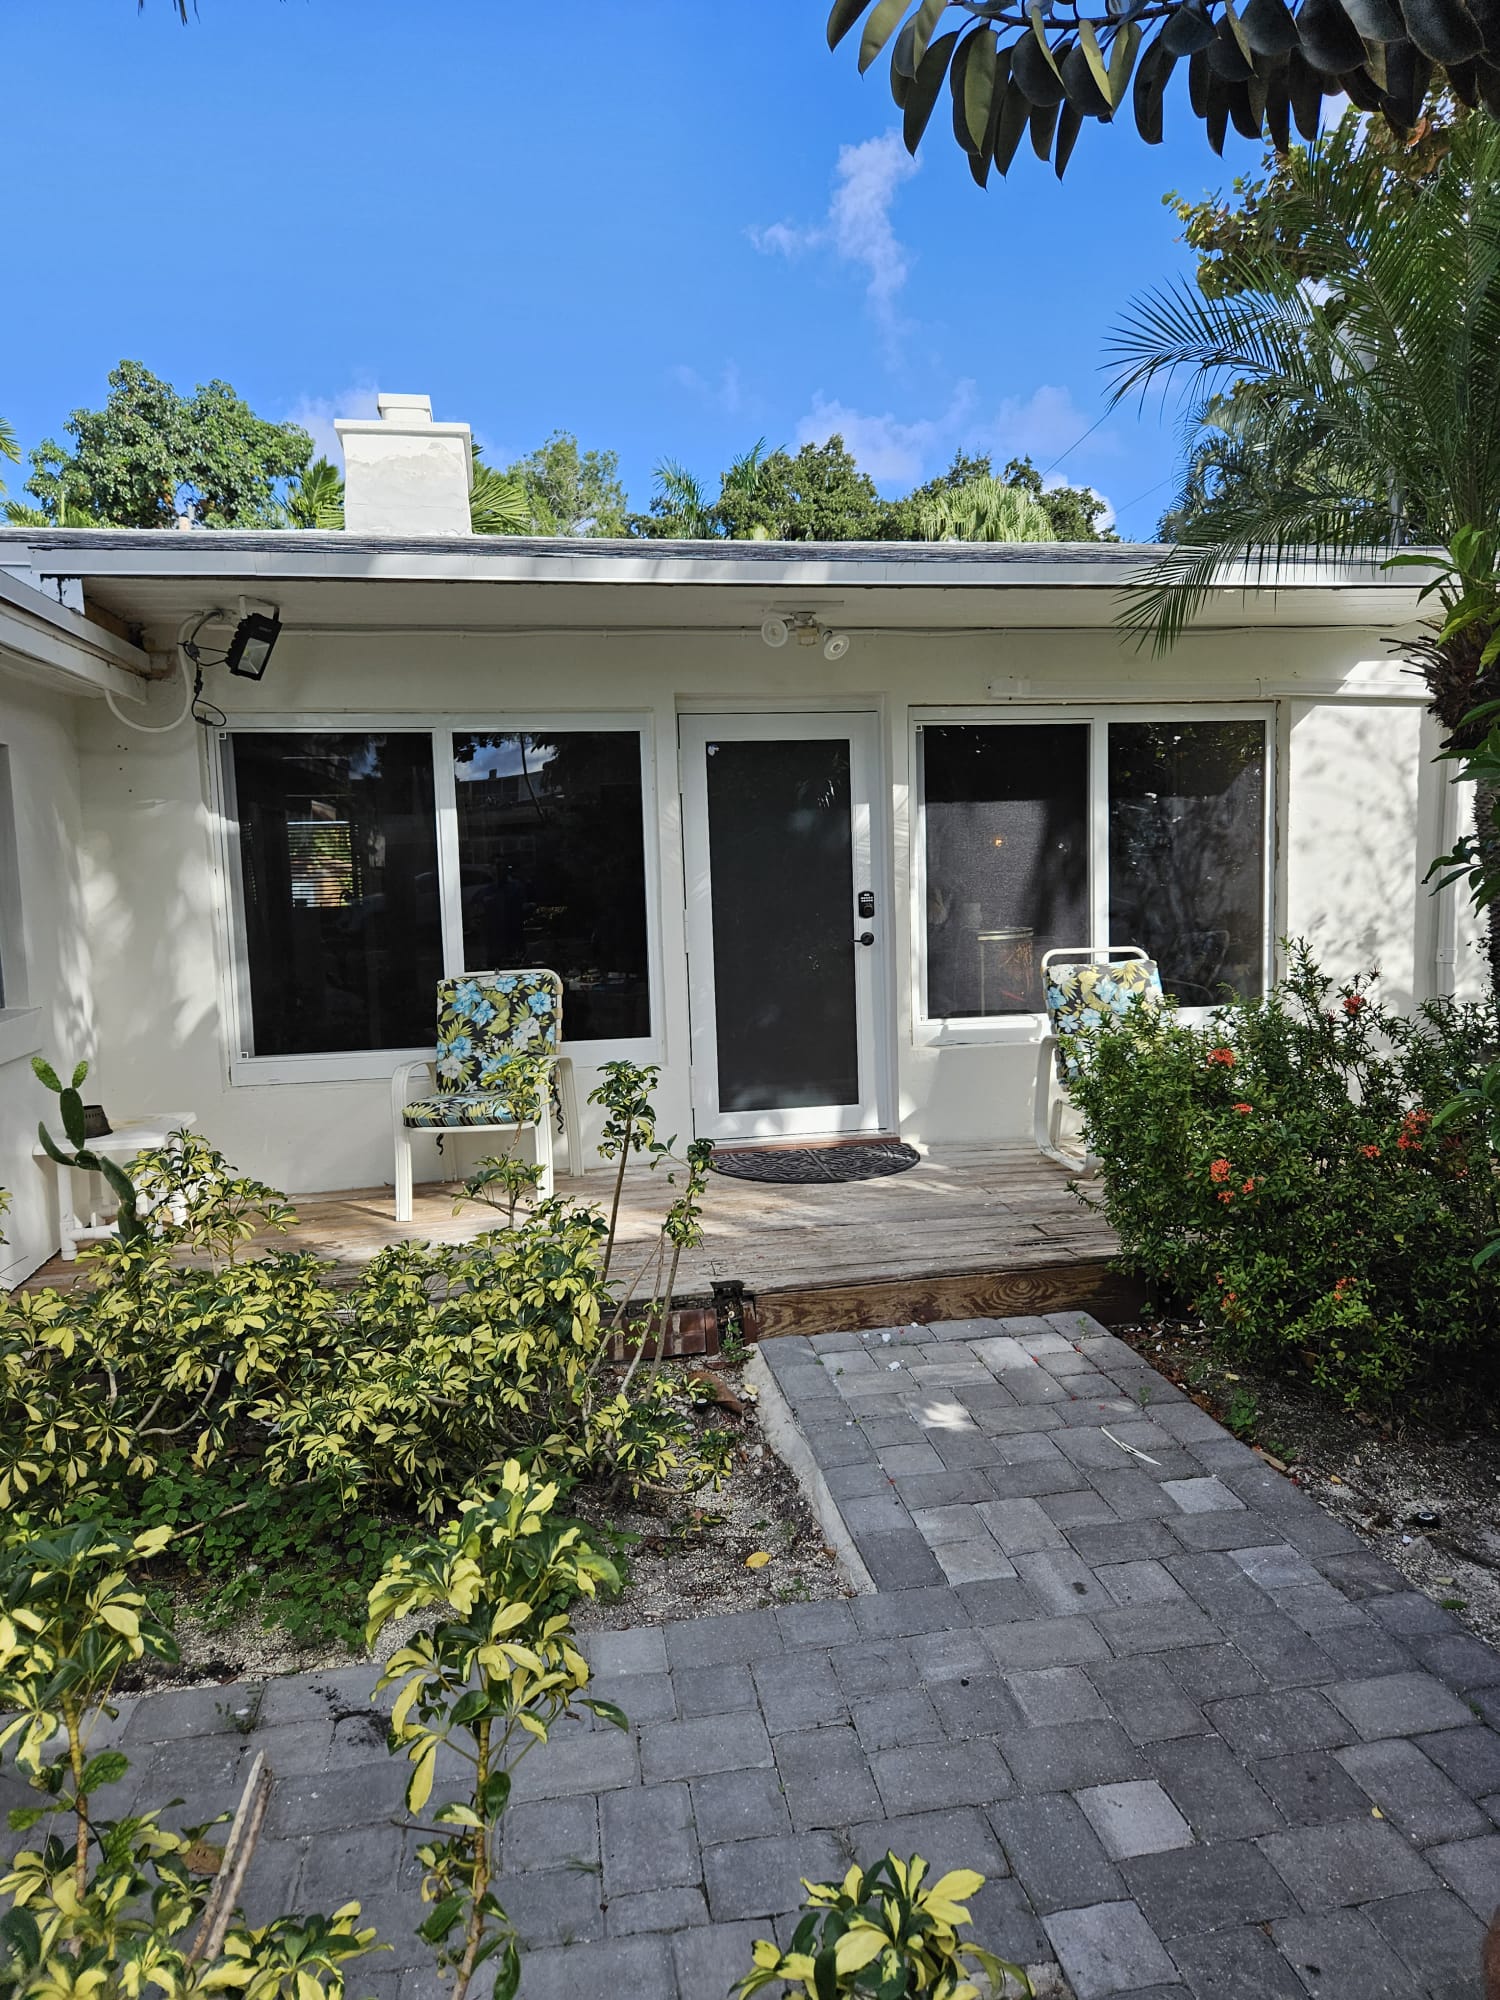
(58, 644)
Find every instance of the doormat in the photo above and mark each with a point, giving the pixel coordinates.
(813, 1164)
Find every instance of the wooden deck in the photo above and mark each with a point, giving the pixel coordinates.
(969, 1231)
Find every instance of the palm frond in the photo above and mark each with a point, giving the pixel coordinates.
(498, 502)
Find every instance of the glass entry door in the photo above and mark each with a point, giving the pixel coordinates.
(786, 933)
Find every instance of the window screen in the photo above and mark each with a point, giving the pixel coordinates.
(553, 868)
(1187, 804)
(338, 864)
(1007, 816)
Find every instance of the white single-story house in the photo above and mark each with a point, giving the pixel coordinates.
(794, 822)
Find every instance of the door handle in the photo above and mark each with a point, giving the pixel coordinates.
(865, 937)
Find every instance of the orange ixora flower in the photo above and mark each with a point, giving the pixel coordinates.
(1219, 1170)
(1225, 1056)
(1242, 1107)
(1370, 1152)
(1341, 1287)
(1249, 1186)
(1226, 1194)
(1413, 1130)
(1353, 1002)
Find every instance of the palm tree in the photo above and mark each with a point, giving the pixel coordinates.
(983, 510)
(683, 510)
(317, 499)
(9, 447)
(1360, 407)
(497, 502)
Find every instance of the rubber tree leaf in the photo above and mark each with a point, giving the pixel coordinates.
(924, 25)
(843, 17)
(1069, 125)
(1122, 61)
(1093, 55)
(923, 94)
(979, 86)
(881, 25)
(1015, 111)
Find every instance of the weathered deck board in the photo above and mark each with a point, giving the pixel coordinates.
(968, 1230)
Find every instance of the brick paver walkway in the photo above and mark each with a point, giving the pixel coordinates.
(1202, 1742)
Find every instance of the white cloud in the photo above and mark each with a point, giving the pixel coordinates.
(857, 227)
(1044, 426)
(316, 415)
(726, 394)
(892, 452)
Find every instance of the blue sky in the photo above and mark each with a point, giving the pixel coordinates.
(671, 228)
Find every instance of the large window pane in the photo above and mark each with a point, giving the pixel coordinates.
(553, 868)
(338, 862)
(1007, 860)
(1187, 807)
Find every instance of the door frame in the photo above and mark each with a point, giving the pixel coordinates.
(754, 721)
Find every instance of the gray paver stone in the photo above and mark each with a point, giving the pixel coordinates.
(596, 1762)
(899, 1613)
(669, 1910)
(1412, 1792)
(1108, 1948)
(1236, 1965)
(1144, 1698)
(888, 1721)
(1330, 1867)
(1343, 1957)
(977, 1705)
(1268, 1725)
(643, 1651)
(1021, 1526)
(639, 1966)
(739, 1805)
(709, 1960)
(1046, 1642)
(1141, 1583)
(977, 1561)
(1156, 1628)
(1471, 1757)
(1285, 1655)
(1310, 1787)
(830, 1624)
(698, 1748)
(1212, 1887)
(551, 1834)
(947, 1656)
(960, 1837)
(899, 1560)
(554, 1906)
(201, 1711)
(1472, 1867)
(1203, 1495)
(826, 1777)
(703, 1691)
(1219, 1797)
(761, 1878)
(1056, 1694)
(725, 1639)
(648, 1839)
(1134, 1818)
(799, 1690)
(1055, 1853)
(1461, 1661)
(1066, 1755)
(1399, 1705)
(1411, 1612)
(928, 1776)
(1435, 1935)
(875, 1666)
(360, 1797)
(1062, 1584)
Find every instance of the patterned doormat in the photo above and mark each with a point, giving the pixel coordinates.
(818, 1163)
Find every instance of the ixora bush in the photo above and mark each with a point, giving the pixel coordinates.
(109, 1909)
(880, 1935)
(1278, 1172)
(247, 1401)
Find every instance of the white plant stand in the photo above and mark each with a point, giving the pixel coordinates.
(85, 1225)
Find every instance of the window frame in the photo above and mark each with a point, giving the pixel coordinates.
(372, 1065)
(948, 1031)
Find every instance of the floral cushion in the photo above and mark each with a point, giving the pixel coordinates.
(467, 1107)
(487, 1019)
(1083, 998)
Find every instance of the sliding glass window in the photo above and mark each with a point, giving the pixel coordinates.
(1034, 836)
(369, 861)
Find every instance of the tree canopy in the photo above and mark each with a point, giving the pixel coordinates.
(152, 454)
(568, 491)
(1040, 69)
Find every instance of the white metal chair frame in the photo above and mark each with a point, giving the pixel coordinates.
(1050, 1098)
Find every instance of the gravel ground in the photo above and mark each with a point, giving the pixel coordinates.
(1428, 1501)
(690, 1557)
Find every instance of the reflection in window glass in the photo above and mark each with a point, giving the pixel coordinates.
(553, 869)
(338, 867)
(1186, 837)
(1007, 860)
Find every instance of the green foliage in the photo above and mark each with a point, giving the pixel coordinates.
(881, 1934)
(9, 448)
(315, 498)
(487, 1683)
(984, 510)
(1012, 67)
(151, 454)
(262, 1412)
(1361, 413)
(568, 491)
(78, 1154)
(498, 501)
(1279, 1172)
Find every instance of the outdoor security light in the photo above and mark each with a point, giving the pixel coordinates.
(774, 631)
(253, 643)
(835, 645)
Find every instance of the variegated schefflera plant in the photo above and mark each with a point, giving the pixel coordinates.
(109, 1909)
(485, 1683)
(1042, 68)
(881, 1935)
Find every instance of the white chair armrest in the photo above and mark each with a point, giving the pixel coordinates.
(401, 1090)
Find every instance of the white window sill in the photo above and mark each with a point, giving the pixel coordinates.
(380, 1065)
(993, 1030)
(20, 1033)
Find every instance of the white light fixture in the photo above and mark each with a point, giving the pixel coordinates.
(835, 645)
(774, 631)
(777, 627)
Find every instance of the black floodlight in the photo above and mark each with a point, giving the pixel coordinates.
(253, 643)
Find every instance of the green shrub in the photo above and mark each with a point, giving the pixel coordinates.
(880, 1934)
(259, 1409)
(1277, 1172)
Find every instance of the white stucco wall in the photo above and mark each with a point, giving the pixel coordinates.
(47, 971)
(1350, 846)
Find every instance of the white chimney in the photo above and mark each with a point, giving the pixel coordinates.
(404, 474)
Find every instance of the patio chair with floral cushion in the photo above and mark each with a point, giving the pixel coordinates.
(1081, 999)
(499, 1067)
